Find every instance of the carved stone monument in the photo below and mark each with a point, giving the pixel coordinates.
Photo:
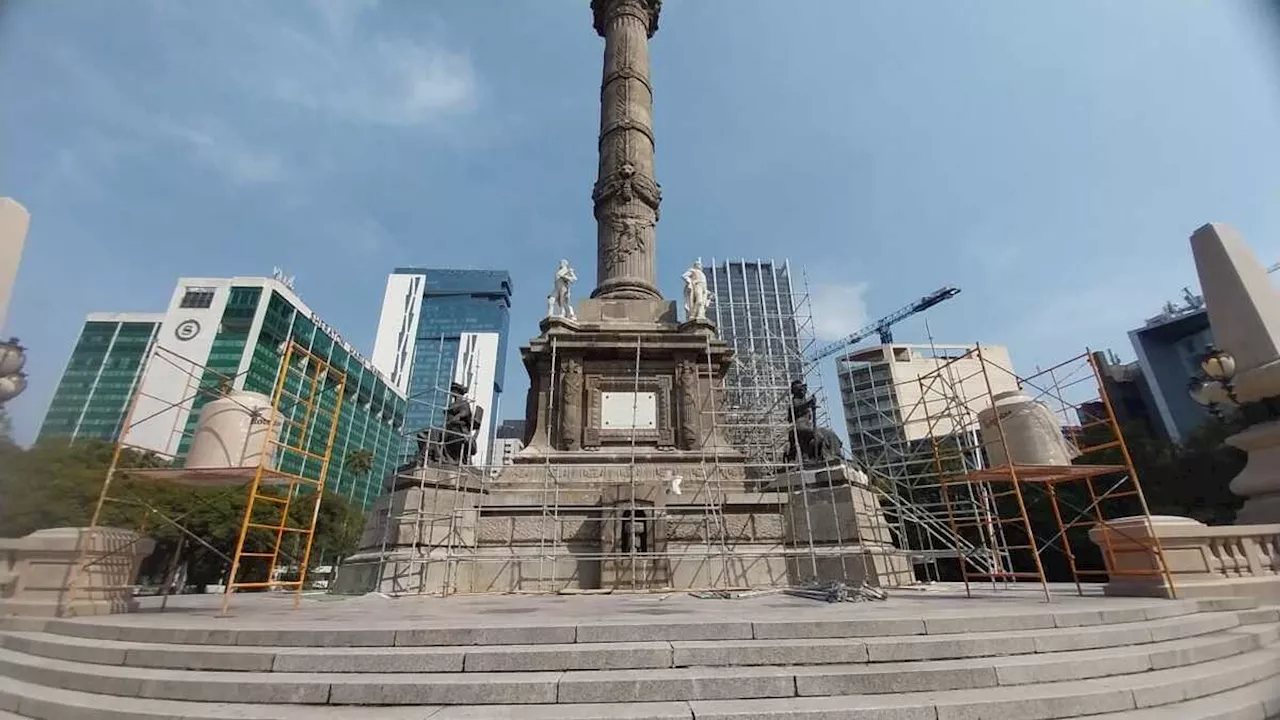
(620, 429)
(622, 378)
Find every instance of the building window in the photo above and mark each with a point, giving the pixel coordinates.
(197, 298)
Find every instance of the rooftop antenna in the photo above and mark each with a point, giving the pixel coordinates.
(279, 275)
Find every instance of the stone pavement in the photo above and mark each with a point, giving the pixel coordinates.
(257, 610)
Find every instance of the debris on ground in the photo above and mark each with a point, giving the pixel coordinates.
(735, 594)
(829, 592)
(839, 592)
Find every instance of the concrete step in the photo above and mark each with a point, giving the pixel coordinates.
(1050, 701)
(1257, 701)
(817, 623)
(1238, 688)
(635, 685)
(619, 655)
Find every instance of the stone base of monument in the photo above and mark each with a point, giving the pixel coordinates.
(39, 568)
(577, 527)
(834, 512)
(1203, 561)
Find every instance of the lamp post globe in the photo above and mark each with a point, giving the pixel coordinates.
(1218, 364)
(11, 386)
(13, 357)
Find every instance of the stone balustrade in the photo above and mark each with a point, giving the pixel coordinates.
(1203, 560)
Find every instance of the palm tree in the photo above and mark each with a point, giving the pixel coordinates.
(358, 462)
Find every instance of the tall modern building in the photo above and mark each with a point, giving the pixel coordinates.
(1130, 394)
(102, 375)
(1169, 346)
(754, 311)
(217, 328)
(754, 308)
(14, 221)
(443, 326)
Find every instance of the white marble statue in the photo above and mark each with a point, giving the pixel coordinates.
(559, 303)
(696, 297)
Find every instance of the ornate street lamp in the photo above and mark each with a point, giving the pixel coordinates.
(13, 357)
(1213, 388)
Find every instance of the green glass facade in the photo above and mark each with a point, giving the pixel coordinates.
(371, 414)
(104, 372)
(99, 379)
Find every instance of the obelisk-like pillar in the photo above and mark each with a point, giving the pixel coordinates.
(626, 195)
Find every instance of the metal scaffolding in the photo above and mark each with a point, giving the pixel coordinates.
(273, 545)
(988, 461)
(727, 526)
(892, 425)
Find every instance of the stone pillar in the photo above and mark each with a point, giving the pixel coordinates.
(1244, 312)
(626, 195)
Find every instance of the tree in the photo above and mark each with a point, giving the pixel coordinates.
(358, 462)
(57, 484)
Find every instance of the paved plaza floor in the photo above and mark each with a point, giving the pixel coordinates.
(276, 610)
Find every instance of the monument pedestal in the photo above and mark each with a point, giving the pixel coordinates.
(39, 570)
(1259, 482)
(412, 531)
(836, 531)
(624, 379)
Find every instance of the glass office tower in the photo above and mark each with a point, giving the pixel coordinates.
(443, 326)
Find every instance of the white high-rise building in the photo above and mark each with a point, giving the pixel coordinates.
(888, 411)
(14, 221)
(439, 327)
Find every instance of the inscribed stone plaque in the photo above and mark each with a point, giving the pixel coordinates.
(628, 410)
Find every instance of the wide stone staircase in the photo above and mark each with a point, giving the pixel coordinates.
(1184, 660)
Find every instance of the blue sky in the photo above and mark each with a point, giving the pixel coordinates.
(1050, 159)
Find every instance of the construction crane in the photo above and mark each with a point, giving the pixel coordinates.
(884, 325)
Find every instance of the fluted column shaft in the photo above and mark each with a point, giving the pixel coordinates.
(626, 195)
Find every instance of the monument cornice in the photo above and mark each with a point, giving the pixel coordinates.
(646, 11)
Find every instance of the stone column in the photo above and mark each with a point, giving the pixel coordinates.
(1244, 312)
(626, 195)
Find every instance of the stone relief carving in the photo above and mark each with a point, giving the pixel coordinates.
(627, 184)
(630, 239)
(571, 405)
(689, 415)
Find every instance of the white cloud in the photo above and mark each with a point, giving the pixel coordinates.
(838, 309)
(340, 17)
(335, 66)
(328, 57)
(221, 150)
(121, 124)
